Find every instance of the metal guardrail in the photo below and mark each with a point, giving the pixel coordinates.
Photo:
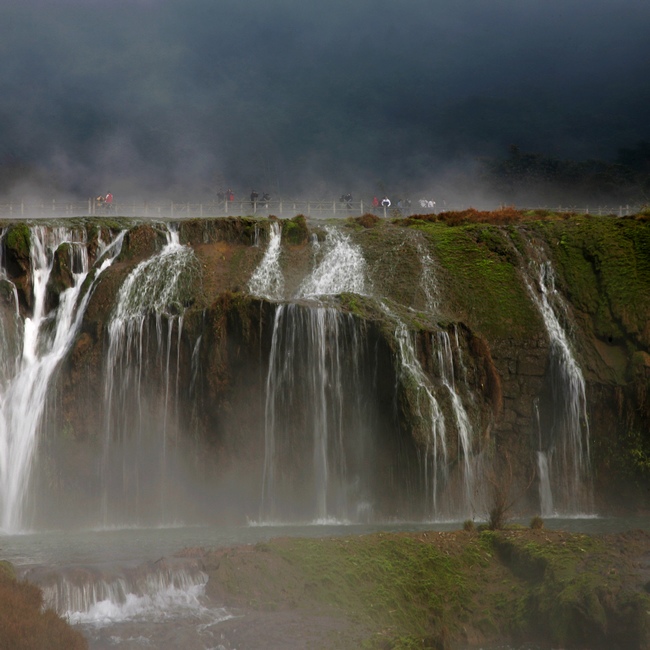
(241, 207)
(182, 210)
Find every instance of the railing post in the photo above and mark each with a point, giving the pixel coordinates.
(22, 207)
(334, 206)
(172, 209)
(280, 207)
(308, 209)
(361, 207)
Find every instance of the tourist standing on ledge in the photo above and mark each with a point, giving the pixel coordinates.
(109, 202)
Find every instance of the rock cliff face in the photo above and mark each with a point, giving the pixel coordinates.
(391, 392)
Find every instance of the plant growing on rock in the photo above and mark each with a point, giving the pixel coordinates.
(503, 491)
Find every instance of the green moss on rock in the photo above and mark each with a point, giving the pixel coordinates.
(18, 241)
(441, 590)
(482, 279)
(295, 231)
(604, 265)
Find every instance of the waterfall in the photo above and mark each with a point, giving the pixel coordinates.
(461, 417)
(314, 352)
(342, 269)
(267, 280)
(98, 596)
(312, 405)
(139, 424)
(428, 279)
(426, 408)
(47, 337)
(565, 442)
(545, 491)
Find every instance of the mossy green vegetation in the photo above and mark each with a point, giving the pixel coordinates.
(17, 240)
(482, 279)
(437, 589)
(295, 231)
(604, 266)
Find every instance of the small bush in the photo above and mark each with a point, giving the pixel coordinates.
(537, 523)
(368, 220)
(468, 525)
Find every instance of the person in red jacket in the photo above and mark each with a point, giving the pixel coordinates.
(108, 202)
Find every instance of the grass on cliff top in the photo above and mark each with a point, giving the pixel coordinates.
(433, 589)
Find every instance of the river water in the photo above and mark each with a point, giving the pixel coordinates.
(124, 589)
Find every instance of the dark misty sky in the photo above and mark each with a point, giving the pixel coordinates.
(187, 96)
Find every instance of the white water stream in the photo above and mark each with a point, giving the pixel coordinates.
(563, 462)
(140, 426)
(342, 269)
(267, 280)
(47, 337)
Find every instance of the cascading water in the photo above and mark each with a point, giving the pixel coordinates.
(108, 603)
(312, 409)
(428, 279)
(563, 457)
(341, 270)
(545, 492)
(267, 280)
(428, 411)
(91, 596)
(314, 351)
(310, 361)
(463, 426)
(43, 347)
(141, 422)
(314, 397)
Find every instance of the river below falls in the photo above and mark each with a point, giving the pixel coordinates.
(135, 609)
